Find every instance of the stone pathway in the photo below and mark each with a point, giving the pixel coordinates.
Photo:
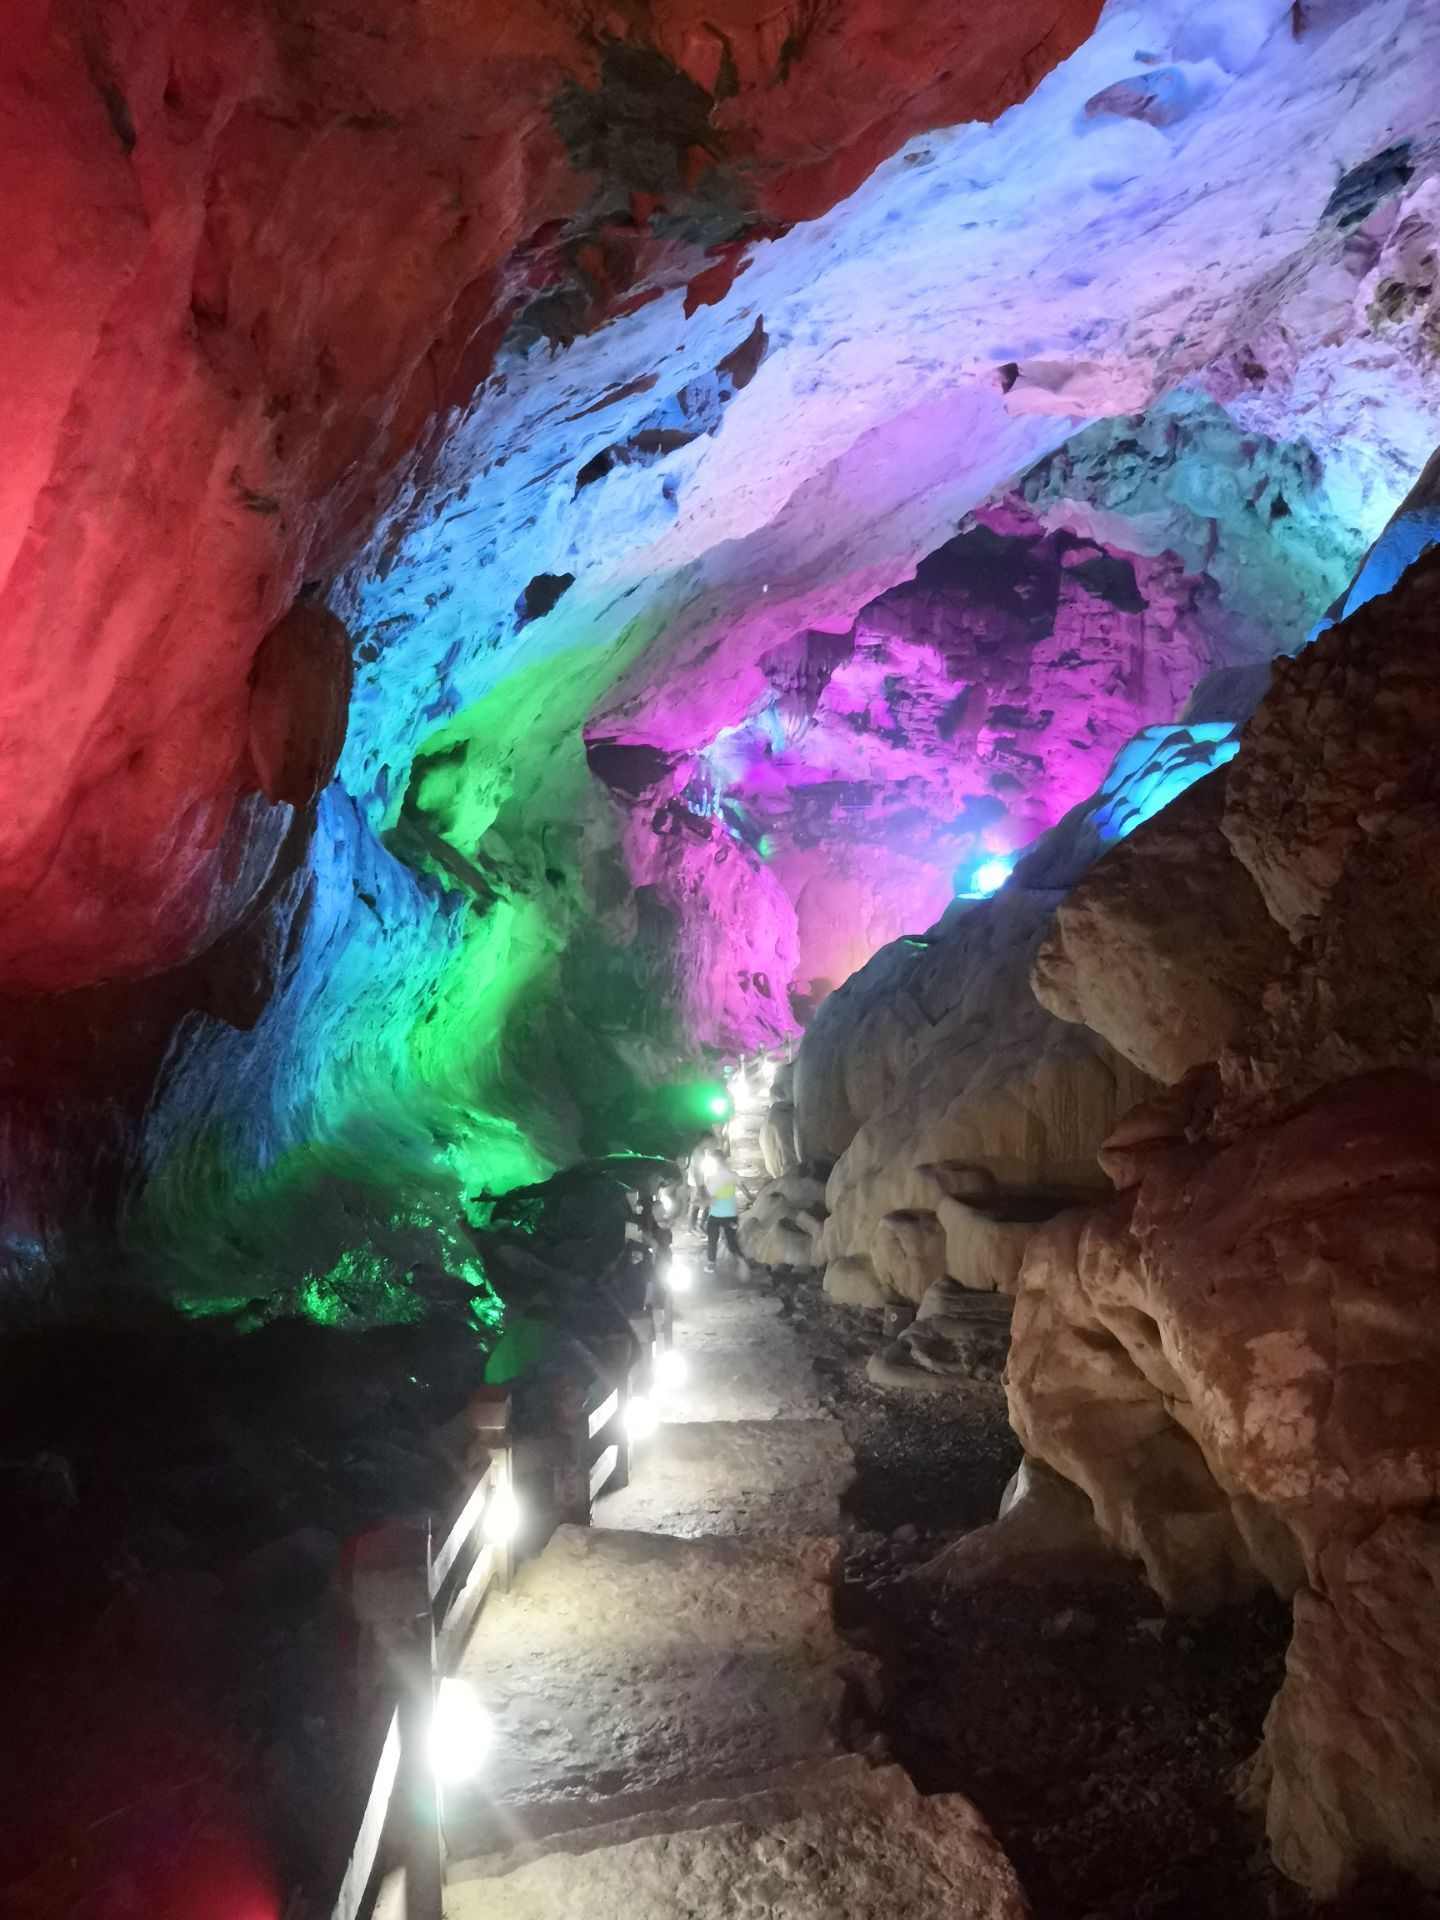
(675, 1712)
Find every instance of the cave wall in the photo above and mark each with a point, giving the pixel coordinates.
(580, 369)
(1190, 1071)
(261, 259)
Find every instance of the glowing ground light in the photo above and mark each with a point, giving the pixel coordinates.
(461, 1732)
(671, 1368)
(680, 1277)
(641, 1419)
(502, 1517)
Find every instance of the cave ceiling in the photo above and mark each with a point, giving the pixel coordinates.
(767, 463)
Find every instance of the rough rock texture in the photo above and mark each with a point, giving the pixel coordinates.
(1236, 1361)
(908, 1253)
(1353, 1721)
(1338, 751)
(1335, 812)
(1045, 1531)
(260, 268)
(851, 1281)
(238, 413)
(956, 1335)
(985, 1243)
(962, 713)
(299, 704)
(1165, 945)
(935, 1059)
(818, 1842)
(1236, 1357)
(1093, 1394)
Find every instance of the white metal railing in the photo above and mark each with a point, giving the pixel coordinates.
(417, 1604)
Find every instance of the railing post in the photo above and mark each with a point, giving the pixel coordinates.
(616, 1356)
(392, 1599)
(490, 1422)
(571, 1427)
(660, 1303)
(642, 1325)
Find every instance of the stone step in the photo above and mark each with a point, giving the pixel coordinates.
(627, 1662)
(763, 1478)
(744, 1360)
(838, 1840)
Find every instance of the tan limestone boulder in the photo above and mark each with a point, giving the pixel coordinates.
(1045, 1531)
(973, 1073)
(1236, 1360)
(851, 1281)
(985, 1245)
(1164, 946)
(908, 1254)
(954, 1180)
(1350, 1769)
(778, 1150)
(780, 1243)
(782, 1225)
(1090, 1395)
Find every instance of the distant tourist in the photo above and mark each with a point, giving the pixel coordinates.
(722, 1190)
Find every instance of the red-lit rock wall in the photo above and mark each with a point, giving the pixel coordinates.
(251, 254)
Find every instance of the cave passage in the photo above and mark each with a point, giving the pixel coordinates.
(797, 640)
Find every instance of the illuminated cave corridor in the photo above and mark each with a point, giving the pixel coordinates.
(585, 590)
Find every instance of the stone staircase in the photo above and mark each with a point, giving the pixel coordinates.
(676, 1715)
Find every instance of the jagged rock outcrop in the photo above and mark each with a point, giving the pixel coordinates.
(1165, 945)
(782, 1225)
(945, 1076)
(1351, 1745)
(1236, 1356)
(1334, 806)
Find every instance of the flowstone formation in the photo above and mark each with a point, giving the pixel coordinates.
(764, 472)
(1233, 1351)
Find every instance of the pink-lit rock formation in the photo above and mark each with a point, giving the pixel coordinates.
(964, 713)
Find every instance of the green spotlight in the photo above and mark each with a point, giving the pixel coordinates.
(719, 1105)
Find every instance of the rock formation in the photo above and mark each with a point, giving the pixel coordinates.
(544, 547)
(754, 494)
(1165, 945)
(954, 1100)
(1236, 1356)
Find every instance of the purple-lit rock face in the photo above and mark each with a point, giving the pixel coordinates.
(876, 771)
